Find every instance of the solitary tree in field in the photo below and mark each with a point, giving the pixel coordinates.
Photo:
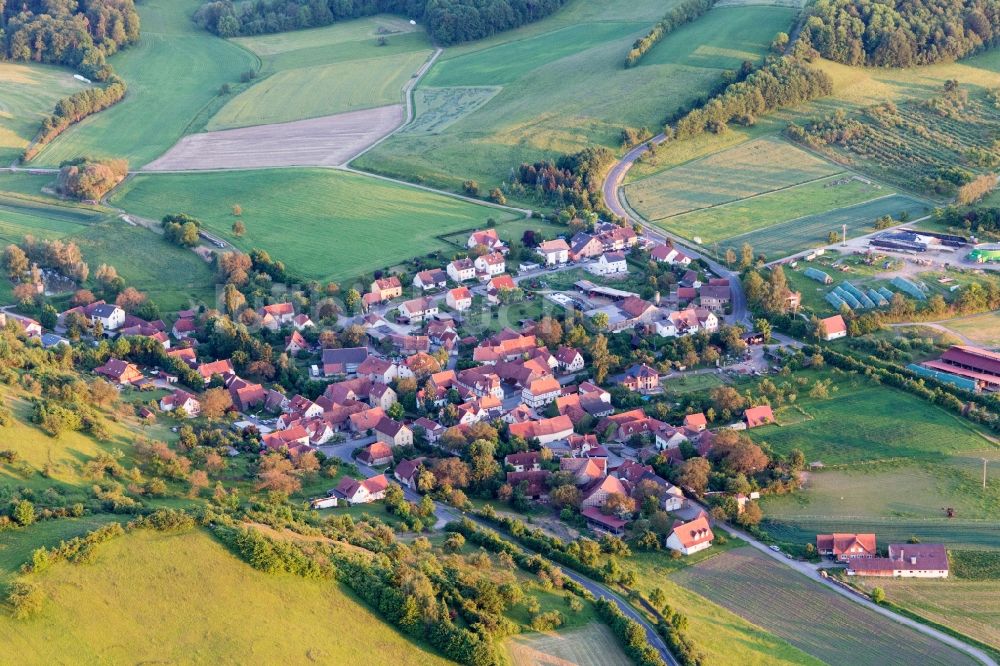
(239, 228)
(878, 595)
(237, 210)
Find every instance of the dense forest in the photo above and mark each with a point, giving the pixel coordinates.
(901, 33)
(77, 33)
(447, 21)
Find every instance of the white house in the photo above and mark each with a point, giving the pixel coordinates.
(459, 299)
(491, 264)
(362, 492)
(555, 252)
(569, 359)
(691, 537)
(541, 392)
(111, 316)
(833, 328)
(181, 401)
(435, 278)
(673, 498)
(462, 270)
(669, 255)
(418, 309)
(610, 263)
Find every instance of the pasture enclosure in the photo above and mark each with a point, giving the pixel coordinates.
(323, 224)
(592, 645)
(564, 87)
(327, 141)
(155, 588)
(28, 93)
(174, 74)
(751, 168)
(810, 617)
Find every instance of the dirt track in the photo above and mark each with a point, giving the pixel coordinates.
(328, 141)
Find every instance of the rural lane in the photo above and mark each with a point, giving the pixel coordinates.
(612, 199)
(811, 571)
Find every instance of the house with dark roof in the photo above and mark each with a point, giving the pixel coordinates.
(905, 560)
(434, 278)
(119, 372)
(344, 361)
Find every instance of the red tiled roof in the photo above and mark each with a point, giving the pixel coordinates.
(694, 532)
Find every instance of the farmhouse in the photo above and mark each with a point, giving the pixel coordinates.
(844, 547)
(541, 392)
(119, 372)
(434, 278)
(497, 286)
(597, 493)
(302, 321)
(905, 560)
(110, 316)
(459, 299)
(294, 440)
(584, 246)
(611, 263)
(669, 255)
(758, 416)
(462, 270)
(585, 471)
(393, 432)
(715, 297)
(376, 454)
(362, 492)
(554, 252)
(833, 327)
(691, 537)
(569, 359)
(386, 289)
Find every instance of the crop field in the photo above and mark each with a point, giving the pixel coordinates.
(863, 422)
(565, 87)
(967, 606)
(810, 617)
(323, 224)
(28, 93)
(592, 645)
(438, 108)
(982, 328)
(174, 74)
(173, 598)
(752, 168)
(782, 240)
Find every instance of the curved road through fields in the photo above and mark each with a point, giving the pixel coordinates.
(612, 198)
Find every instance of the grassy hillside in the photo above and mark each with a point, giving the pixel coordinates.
(174, 75)
(564, 87)
(323, 224)
(183, 598)
(28, 92)
(311, 73)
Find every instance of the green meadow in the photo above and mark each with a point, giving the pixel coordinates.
(323, 224)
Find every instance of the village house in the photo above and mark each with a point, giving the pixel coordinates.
(488, 238)
(407, 471)
(541, 392)
(715, 297)
(691, 537)
(615, 237)
(585, 470)
(506, 346)
(110, 316)
(302, 321)
(376, 454)
(393, 432)
(534, 483)
(186, 354)
(498, 285)
(554, 252)
(362, 492)
(905, 560)
(295, 440)
(584, 246)
(418, 309)
(833, 328)
(696, 422)
(480, 382)
(387, 288)
(246, 395)
(569, 360)
(462, 270)
(276, 315)
(844, 547)
(597, 493)
(183, 328)
(490, 265)
(434, 278)
(119, 372)
(545, 431)
(30, 327)
(382, 395)
(669, 255)
(432, 429)
(459, 299)
(295, 343)
(525, 461)
(363, 421)
(758, 416)
(343, 361)
(610, 263)
(378, 369)
(181, 402)
(687, 322)
(642, 379)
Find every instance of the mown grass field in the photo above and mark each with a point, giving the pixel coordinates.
(592, 645)
(319, 72)
(565, 87)
(16, 546)
(752, 168)
(982, 328)
(816, 620)
(323, 224)
(28, 93)
(184, 598)
(967, 606)
(174, 75)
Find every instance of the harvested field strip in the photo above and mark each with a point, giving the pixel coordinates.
(812, 231)
(810, 617)
(323, 223)
(755, 167)
(329, 141)
(592, 645)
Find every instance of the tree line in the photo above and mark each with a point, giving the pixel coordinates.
(73, 109)
(901, 33)
(683, 13)
(572, 180)
(447, 21)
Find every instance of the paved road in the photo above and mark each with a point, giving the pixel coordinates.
(811, 571)
(612, 198)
